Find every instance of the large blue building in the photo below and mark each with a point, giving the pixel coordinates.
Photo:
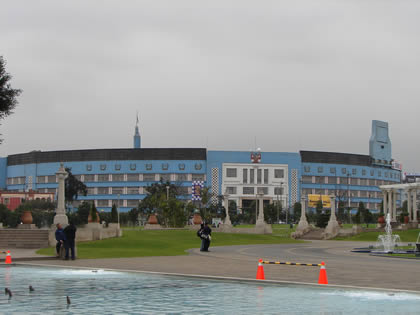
(121, 175)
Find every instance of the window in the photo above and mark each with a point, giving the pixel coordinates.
(319, 180)
(183, 190)
(245, 176)
(332, 180)
(379, 173)
(307, 169)
(117, 190)
(363, 172)
(363, 193)
(231, 190)
(39, 179)
(117, 177)
(78, 177)
(132, 177)
(265, 176)
(372, 172)
(354, 171)
(181, 166)
(133, 167)
(307, 179)
(319, 191)
(182, 177)
(89, 167)
(103, 167)
(343, 170)
(89, 178)
(165, 177)
(259, 175)
(132, 203)
(262, 190)
(51, 179)
(103, 191)
(372, 182)
(165, 166)
(103, 178)
(198, 166)
(149, 166)
(307, 191)
(354, 181)
(248, 190)
(149, 177)
(251, 176)
(231, 172)
(91, 191)
(117, 167)
(344, 180)
(118, 203)
(278, 173)
(278, 190)
(132, 190)
(102, 203)
(332, 170)
(198, 177)
(363, 181)
(320, 169)
(386, 174)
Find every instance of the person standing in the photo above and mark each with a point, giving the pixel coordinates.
(201, 236)
(60, 237)
(70, 233)
(207, 237)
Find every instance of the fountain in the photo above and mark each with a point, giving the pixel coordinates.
(386, 243)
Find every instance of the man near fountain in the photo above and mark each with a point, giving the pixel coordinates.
(60, 237)
(70, 233)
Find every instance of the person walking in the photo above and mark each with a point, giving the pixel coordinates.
(70, 233)
(60, 237)
(201, 236)
(207, 237)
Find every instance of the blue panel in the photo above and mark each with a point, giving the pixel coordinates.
(3, 173)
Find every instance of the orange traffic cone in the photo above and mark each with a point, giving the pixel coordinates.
(323, 275)
(260, 271)
(8, 258)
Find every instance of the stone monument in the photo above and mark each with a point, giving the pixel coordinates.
(303, 225)
(60, 212)
(333, 228)
(261, 226)
(227, 218)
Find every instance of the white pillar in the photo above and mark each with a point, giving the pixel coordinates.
(60, 212)
(303, 223)
(385, 205)
(389, 210)
(226, 201)
(260, 219)
(409, 205)
(394, 205)
(415, 205)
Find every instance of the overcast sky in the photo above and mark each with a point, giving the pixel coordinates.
(295, 75)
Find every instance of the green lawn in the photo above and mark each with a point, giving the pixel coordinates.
(349, 226)
(409, 236)
(140, 243)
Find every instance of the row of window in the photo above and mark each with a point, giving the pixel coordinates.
(262, 174)
(345, 171)
(16, 180)
(344, 181)
(251, 190)
(147, 166)
(126, 178)
(343, 193)
(118, 190)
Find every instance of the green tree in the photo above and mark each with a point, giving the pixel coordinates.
(83, 212)
(358, 218)
(270, 213)
(93, 212)
(73, 187)
(114, 214)
(133, 215)
(8, 95)
(297, 210)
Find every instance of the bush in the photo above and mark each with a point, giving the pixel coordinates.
(114, 214)
(322, 219)
(83, 212)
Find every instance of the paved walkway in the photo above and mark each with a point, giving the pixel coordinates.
(343, 267)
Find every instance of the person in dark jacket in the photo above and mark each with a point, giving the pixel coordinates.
(70, 233)
(60, 237)
(207, 237)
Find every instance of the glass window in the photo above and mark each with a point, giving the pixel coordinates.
(132, 203)
(103, 191)
(231, 172)
(198, 166)
(259, 175)
(149, 177)
(278, 173)
(103, 178)
(78, 177)
(319, 179)
(165, 177)
(363, 193)
(248, 190)
(149, 166)
(344, 180)
(307, 179)
(263, 190)
(183, 190)
(307, 169)
(332, 170)
(363, 172)
(332, 180)
(165, 166)
(265, 176)
(117, 190)
(245, 176)
(386, 174)
(231, 190)
(89, 167)
(117, 167)
(354, 171)
(278, 190)
(320, 169)
(89, 178)
(103, 167)
(132, 190)
(133, 167)
(182, 177)
(51, 179)
(132, 177)
(363, 181)
(379, 173)
(251, 176)
(39, 180)
(372, 172)
(307, 191)
(102, 203)
(198, 177)
(354, 181)
(117, 177)
(181, 166)
(343, 170)
(91, 191)
(372, 182)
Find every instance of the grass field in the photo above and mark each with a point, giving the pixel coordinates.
(409, 236)
(140, 243)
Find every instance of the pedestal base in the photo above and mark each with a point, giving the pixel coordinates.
(332, 229)
(27, 226)
(62, 219)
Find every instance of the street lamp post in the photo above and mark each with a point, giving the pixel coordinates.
(167, 193)
(118, 209)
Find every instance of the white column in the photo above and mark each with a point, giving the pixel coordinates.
(260, 219)
(385, 195)
(227, 218)
(409, 205)
(415, 205)
(389, 210)
(394, 205)
(60, 212)
(303, 223)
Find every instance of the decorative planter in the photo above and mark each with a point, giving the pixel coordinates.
(26, 217)
(98, 219)
(381, 220)
(152, 219)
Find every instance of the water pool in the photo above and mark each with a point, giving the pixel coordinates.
(109, 292)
